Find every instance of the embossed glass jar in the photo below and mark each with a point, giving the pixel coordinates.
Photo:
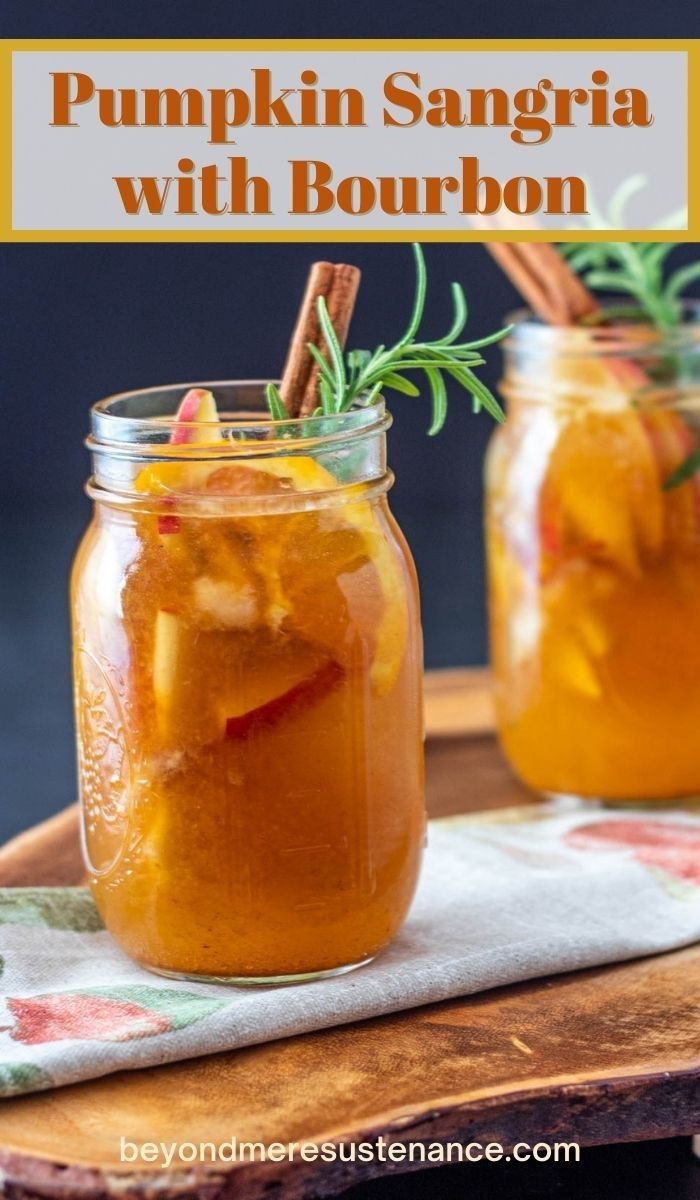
(248, 690)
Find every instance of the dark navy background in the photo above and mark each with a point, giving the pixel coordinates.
(539, 19)
(81, 321)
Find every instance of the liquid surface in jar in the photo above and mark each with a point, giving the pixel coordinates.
(267, 682)
(595, 597)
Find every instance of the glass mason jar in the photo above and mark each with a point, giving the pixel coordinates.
(594, 564)
(247, 657)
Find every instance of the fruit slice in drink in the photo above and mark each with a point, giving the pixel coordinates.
(601, 497)
(272, 566)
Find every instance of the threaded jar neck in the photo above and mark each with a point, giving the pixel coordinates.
(602, 362)
(133, 430)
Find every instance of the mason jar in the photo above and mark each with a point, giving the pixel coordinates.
(593, 537)
(247, 654)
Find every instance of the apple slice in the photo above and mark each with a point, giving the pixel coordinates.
(166, 642)
(168, 523)
(196, 407)
(308, 691)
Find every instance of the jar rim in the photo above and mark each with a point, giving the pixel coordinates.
(140, 421)
(617, 339)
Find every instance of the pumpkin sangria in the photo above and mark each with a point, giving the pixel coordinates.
(249, 705)
(593, 530)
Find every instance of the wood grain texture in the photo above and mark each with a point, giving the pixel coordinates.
(604, 1055)
(611, 1054)
(458, 702)
(48, 854)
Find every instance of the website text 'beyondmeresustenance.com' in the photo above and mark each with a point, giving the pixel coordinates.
(168, 1154)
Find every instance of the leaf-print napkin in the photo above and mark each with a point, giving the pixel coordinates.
(503, 897)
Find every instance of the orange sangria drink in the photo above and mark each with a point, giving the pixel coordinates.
(593, 534)
(247, 657)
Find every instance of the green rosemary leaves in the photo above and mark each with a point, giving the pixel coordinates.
(636, 269)
(361, 376)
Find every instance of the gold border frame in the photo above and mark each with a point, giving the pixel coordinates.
(691, 47)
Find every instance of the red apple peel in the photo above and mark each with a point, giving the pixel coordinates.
(323, 681)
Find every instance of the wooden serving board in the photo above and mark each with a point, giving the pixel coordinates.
(600, 1056)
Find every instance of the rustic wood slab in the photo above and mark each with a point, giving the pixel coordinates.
(606, 1055)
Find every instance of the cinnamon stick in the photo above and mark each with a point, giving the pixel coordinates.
(338, 284)
(579, 299)
(556, 294)
(297, 368)
(341, 303)
(545, 280)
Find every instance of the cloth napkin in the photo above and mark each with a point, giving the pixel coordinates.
(503, 897)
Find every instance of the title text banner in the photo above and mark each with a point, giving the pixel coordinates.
(346, 142)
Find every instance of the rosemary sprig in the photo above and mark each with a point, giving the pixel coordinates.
(361, 376)
(634, 268)
(637, 269)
